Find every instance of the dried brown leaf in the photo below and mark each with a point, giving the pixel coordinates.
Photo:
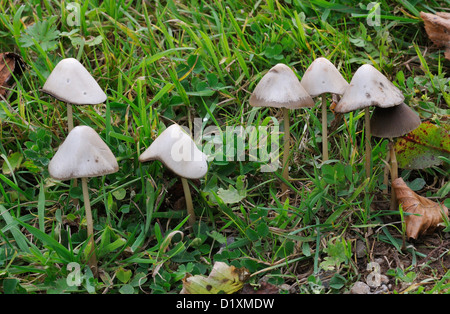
(437, 27)
(425, 215)
(9, 63)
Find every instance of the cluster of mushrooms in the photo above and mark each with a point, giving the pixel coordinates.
(83, 154)
(391, 118)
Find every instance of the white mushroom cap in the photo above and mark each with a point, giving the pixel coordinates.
(280, 88)
(178, 152)
(322, 77)
(83, 154)
(369, 87)
(72, 83)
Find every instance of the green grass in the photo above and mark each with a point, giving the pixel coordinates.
(174, 61)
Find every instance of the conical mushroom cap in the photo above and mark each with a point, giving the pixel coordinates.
(280, 88)
(83, 154)
(72, 83)
(178, 152)
(322, 77)
(393, 121)
(369, 87)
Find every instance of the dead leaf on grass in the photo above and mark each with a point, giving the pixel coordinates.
(437, 27)
(10, 63)
(425, 215)
(222, 279)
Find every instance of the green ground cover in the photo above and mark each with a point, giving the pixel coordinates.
(197, 62)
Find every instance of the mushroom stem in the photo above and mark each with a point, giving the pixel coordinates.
(324, 129)
(368, 146)
(286, 149)
(69, 117)
(188, 198)
(387, 169)
(394, 174)
(70, 127)
(92, 262)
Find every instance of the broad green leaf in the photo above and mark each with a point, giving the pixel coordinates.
(422, 147)
(262, 229)
(123, 275)
(12, 286)
(417, 184)
(126, 289)
(44, 33)
(120, 194)
(217, 236)
(12, 163)
(336, 251)
(337, 281)
(233, 195)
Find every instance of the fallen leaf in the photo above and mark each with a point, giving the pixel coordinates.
(437, 27)
(10, 63)
(424, 215)
(422, 147)
(222, 279)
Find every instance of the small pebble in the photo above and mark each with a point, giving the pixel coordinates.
(360, 288)
(360, 249)
(384, 279)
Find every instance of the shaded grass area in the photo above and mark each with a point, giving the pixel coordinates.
(161, 62)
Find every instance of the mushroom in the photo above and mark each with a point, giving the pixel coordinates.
(321, 78)
(83, 155)
(389, 123)
(280, 88)
(72, 83)
(178, 152)
(369, 87)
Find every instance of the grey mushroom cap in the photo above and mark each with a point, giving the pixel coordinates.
(280, 88)
(322, 77)
(83, 154)
(369, 87)
(393, 121)
(72, 83)
(178, 152)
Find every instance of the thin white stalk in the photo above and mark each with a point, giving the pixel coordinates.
(387, 170)
(394, 174)
(188, 198)
(324, 129)
(368, 146)
(69, 117)
(286, 152)
(70, 127)
(90, 226)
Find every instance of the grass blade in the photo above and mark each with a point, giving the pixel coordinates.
(47, 240)
(19, 237)
(41, 207)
